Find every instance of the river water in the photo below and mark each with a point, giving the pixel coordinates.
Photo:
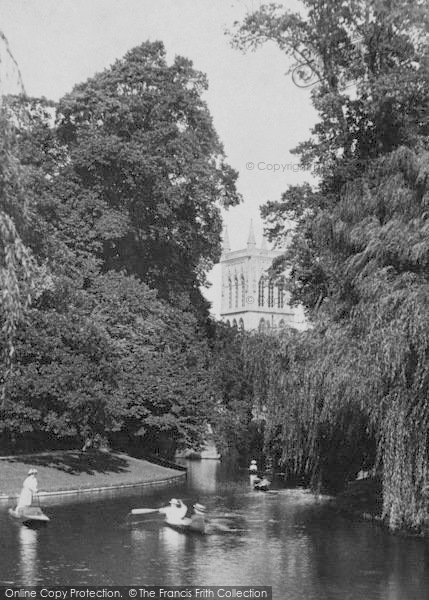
(286, 539)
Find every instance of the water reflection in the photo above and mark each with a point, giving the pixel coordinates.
(174, 546)
(205, 479)
(173, 541)
(285, 539)
(28, 554)
(252, 479)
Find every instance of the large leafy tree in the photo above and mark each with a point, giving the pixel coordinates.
(64, 384)
(143, 155)
(124, 180)
(359, 250)
(369, 68)
(164, 394)
(110, 360)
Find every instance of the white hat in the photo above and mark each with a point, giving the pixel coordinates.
(200, 507)
(32, 471)
(253, 462)
(175, 502)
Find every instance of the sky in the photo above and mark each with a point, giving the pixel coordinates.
(258, 112)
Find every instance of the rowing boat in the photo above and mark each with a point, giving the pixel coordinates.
(185, 525)
(29, 514)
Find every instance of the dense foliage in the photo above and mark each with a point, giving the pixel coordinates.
(144, 157)
(18, 270)
(111, 359)
(237, 424)
(110, 218)
(353, 390)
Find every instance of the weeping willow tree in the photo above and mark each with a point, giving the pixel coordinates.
(312, 388)
(353, 390)
(390, 273)
(17, 267)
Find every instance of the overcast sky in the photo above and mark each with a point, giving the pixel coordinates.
(259, 114)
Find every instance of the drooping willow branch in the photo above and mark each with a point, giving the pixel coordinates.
(17, 265)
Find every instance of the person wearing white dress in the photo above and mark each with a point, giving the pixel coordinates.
(253, 467)
(29, 489)
(175, 511)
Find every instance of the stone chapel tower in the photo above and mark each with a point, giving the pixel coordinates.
(250, 300)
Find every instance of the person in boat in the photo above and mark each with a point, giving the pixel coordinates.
(198, 518)
(28, 492)
(262, 484)
(253, 468)
(175, 511)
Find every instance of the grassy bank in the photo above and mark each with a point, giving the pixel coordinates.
(78, 470)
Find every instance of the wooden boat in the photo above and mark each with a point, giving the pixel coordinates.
(184, 525)
(29, 515)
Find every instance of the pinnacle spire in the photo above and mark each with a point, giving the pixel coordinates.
(251, 242)
(226, 247)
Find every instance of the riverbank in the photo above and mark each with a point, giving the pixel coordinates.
(78, 472)
(362, 498)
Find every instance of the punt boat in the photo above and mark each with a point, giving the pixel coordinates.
(29, 515)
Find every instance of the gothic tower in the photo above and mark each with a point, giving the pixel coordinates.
(250, 299)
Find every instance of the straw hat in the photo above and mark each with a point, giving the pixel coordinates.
(199, 507)
(32, 471)
(175, 502)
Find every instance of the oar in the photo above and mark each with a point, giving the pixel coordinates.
(144, 511)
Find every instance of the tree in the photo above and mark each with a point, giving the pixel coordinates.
(237, 432)
(110, 360)
(143, 149)
(18, 270)
(124, 187)
(359, 251)
(370, 60)
(66, 378)
(165, 388)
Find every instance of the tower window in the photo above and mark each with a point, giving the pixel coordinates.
(236, 292)
(271, 294)
(261, 292)
(262, 325)
(241, 324)
(243, 291)
(229, 293)
(280, 296)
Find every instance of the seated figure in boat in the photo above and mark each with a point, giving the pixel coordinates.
(197, 521)
(175, 511)
(262, 484)
(29, 490)
(253, 468)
